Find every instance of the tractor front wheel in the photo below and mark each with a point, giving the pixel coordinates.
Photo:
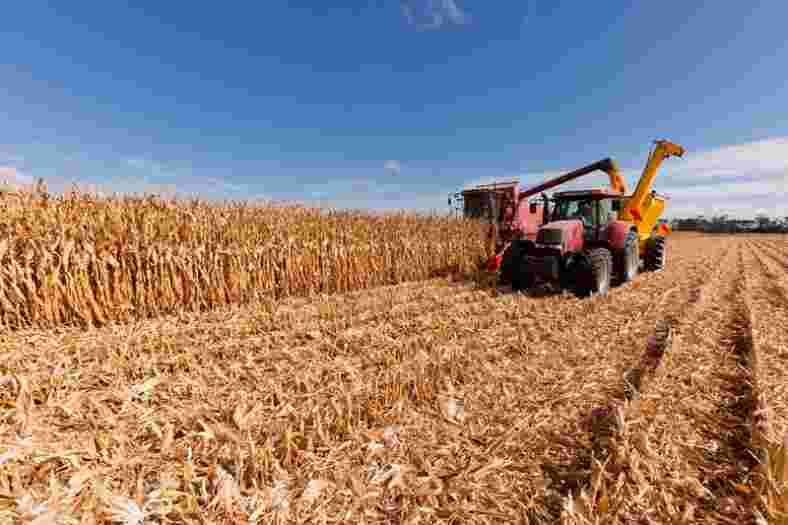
(596, 271)
(656, 254)
(630, 259)
(510, 263)
(522, 278)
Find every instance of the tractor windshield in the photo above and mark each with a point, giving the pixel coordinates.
(606, 212)
(583, 209)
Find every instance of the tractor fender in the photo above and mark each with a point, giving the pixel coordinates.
(617, 232)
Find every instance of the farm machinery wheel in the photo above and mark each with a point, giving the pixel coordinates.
(656, 254)
(595, 271)
(510, 262)
(522, 279)
(629, 262)
(514, 269)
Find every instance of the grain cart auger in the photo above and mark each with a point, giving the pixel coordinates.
(593, 235)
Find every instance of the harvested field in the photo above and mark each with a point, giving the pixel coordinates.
(430, 402)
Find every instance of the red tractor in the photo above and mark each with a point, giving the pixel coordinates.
(580, 248)
(594, 235)
(506, 208)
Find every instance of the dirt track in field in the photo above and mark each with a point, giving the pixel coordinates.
(348, 405)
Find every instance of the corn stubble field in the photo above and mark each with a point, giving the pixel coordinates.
(437, 401)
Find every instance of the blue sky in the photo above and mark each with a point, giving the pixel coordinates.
(393, 104)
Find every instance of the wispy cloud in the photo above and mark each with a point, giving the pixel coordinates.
(13, 177)
(392, 167)
(491, 180)
(370, 193)
(10, 158)
(742, 180)
(765, 157)
(136, 163)
(433, 14)
(157, 177)
(739, 180)
(148, 167)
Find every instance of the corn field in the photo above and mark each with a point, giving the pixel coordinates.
(84, 260)
(430, 402)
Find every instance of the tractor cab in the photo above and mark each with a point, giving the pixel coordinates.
(594, 209)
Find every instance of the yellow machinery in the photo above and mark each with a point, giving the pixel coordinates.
(644, 207)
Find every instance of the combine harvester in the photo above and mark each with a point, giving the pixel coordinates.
(576, 239)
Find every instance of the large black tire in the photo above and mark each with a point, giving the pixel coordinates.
(595, 271)
(510, 262)
(513, 267)
(629, 260)
(522, 278)
(656, 254)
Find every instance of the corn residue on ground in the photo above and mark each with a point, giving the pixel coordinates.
(431, 402)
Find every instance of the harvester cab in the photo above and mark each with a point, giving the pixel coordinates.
(593, 235)
(497, 204)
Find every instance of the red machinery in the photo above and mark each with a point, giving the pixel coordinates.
(510, 214)
(594, 235)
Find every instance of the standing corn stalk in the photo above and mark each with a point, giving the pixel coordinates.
(85, 260)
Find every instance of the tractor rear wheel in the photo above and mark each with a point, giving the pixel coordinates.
(630, 259)
(596, 271)
(656, 254)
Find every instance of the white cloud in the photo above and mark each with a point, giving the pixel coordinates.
(491, 180)
(11, 158)
(137, 162)
(348, 189)
(739, 180)
(432, 14)
(15, 178)
(155, 177)
(761, 157)
(148, 167)
(223, 184)
(126, 175)
(392, 167)
(370, 194)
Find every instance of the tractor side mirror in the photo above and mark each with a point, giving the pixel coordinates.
(532, 207)
(616, 205)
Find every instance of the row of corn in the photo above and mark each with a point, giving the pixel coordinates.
(83, 260)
